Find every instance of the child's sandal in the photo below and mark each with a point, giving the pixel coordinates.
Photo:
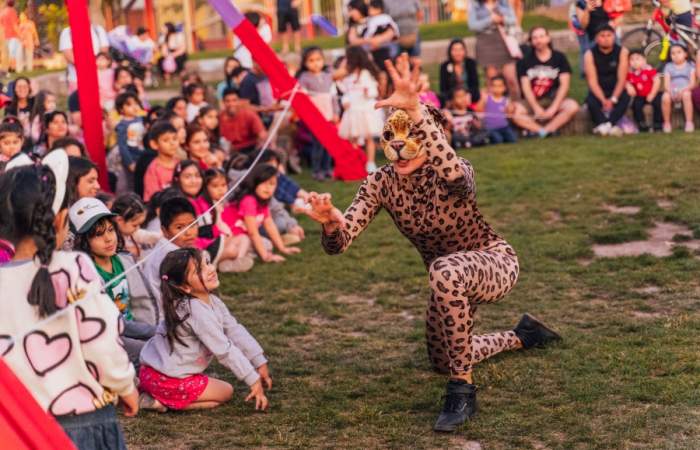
(148, 402)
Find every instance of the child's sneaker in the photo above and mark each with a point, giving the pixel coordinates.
(689, 127)
(667, 128)
(603, 129)
(290, 239)
(148, 402)
(240, 264)
(371, 167)
(616, 131)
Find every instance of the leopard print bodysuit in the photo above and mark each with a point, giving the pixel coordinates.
(468, 263)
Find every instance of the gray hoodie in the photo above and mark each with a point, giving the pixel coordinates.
(209, 331)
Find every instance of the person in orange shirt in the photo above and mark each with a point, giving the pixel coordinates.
(29, 40)
(8, 30)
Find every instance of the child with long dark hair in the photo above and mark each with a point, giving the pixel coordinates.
(41, 281)
(82, 179)
(360, 121)
(209, 120)
(318, 82)
(199, 148)
(44, 103)
(197, 327)
(97, 234)
(54, 127)
(131, 214)
(11, 140)
(234, 253)
(249, 210)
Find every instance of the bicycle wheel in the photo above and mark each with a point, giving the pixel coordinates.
(653, 54)
(640, 39)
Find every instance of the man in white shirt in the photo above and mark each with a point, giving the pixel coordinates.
(100, 43)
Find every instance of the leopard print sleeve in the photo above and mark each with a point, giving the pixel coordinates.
(457, 173)
(359, 214)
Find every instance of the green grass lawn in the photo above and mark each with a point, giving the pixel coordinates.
(345, 340)
(429, 32)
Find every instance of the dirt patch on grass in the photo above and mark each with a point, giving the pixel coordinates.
(552, 217)
(663, 237)
(665, 204)
(647, 315)
(352, 299)
(647, 290)
(463, 443)
(624, 210)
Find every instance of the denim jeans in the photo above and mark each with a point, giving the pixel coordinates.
(98, 429)
(502, 135)
(321, 161)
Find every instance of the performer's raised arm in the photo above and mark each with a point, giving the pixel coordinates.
(427, 135)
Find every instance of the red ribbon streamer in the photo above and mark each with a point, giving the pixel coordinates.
(88, 89)
(23, 424)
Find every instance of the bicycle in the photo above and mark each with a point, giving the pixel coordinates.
(655, 44)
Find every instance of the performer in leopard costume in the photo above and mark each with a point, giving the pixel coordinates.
(430, 194)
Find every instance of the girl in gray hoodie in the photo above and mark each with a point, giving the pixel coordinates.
(197, 327)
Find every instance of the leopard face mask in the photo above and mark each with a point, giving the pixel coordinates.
(397, 141)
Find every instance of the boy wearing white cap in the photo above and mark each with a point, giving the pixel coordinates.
(97, 234)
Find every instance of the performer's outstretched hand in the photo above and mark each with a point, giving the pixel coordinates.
(406, 87)
(322, 211)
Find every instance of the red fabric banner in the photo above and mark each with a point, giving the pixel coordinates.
(88, 90)
(23, 424)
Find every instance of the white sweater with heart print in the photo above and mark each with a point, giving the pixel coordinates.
(72, 362)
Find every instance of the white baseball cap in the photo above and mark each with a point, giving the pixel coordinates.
(86, 212)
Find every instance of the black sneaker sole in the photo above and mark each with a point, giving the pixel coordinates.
(552, 335)
(452, 429)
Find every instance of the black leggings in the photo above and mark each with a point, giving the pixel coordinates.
(638, 108)
(595, 108)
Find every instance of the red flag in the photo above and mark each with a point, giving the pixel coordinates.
(88, 89)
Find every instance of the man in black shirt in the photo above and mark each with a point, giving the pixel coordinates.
(606, 66)
(545, 76)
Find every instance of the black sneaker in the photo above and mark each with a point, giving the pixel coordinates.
(532, 333)
(460, 405)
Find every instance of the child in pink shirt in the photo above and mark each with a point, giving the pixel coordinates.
(228, 252)
(159, 175)
(249, 211)
(105, 81)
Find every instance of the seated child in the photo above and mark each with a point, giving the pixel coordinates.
(195, 100)
(464, 125)
(11, 140)
(163, 138)
(229, 253)
(197, 327)
(130, 215)
(130, 132)
(249, 210)
(679, 81)
(176, 214)
(288, 194)
(105, 80)
(209, 120)
(643, 85)
(426, 95)
(199, 148)
(496, 107)
(97, 234)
